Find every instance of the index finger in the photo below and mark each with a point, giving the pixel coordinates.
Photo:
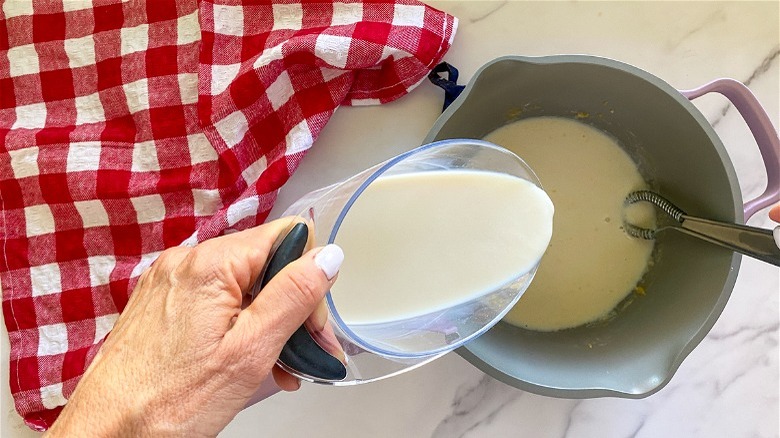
(247, 251)
(774, 213)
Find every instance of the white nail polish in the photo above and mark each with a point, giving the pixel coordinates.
(329, 260)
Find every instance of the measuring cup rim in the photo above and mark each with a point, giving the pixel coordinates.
(380, 170)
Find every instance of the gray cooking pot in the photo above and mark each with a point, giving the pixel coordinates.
(679, 154)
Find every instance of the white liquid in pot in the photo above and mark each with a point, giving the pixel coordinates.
(591, 264)
(422, 242)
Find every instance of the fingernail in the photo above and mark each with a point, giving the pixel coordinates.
(329, 260)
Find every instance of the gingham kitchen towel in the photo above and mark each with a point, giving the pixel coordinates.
(127, 127)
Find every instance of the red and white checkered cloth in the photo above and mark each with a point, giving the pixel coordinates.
(127, 127)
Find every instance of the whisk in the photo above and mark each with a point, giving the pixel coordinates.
(750, 241)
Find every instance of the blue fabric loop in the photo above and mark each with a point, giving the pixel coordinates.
(450, 85)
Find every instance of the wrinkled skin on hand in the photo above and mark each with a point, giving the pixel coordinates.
(188, 351)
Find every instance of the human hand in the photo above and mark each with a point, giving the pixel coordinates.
(183, 357)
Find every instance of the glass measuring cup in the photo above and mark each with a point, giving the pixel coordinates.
(371, 351)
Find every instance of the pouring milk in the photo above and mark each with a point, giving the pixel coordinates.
(426, 241)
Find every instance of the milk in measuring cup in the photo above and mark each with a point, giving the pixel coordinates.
(421, 242)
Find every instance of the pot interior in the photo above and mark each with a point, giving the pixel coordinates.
(636, 352)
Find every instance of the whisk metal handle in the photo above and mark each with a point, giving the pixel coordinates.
(754, 242)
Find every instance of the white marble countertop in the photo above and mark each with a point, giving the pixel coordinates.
(728, 386)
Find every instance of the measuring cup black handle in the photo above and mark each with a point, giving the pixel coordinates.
(301, 352)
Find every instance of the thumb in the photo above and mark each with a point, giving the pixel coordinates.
(290, 297)
(774, 213)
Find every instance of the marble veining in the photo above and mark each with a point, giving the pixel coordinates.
(766, 64)
(475, 405)
(488, 13)
(727, 387)
(716, 16)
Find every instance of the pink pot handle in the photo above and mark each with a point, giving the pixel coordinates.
(766, 137)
